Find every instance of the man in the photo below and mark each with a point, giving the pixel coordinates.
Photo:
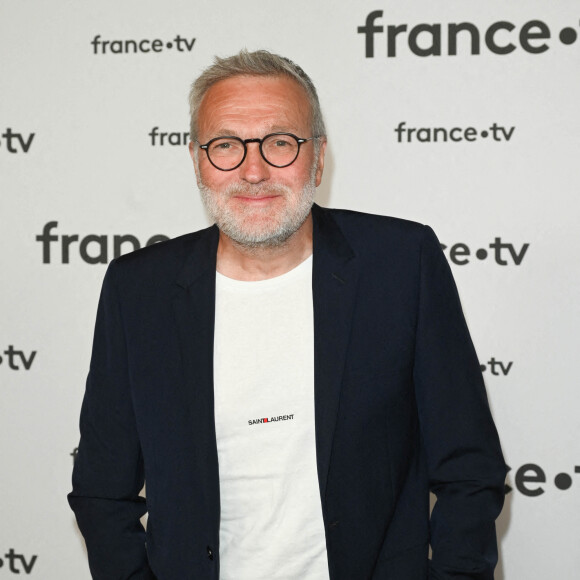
(290, 383)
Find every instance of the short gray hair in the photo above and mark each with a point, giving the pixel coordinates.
(258, 63)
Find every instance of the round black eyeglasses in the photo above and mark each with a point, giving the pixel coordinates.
(277, 149)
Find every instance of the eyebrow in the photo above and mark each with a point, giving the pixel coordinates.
(281, 129)
(225, 131)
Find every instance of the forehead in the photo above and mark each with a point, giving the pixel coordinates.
(244, 104)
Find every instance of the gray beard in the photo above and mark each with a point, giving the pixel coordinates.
(272, 234)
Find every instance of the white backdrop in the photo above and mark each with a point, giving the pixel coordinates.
(78, 107)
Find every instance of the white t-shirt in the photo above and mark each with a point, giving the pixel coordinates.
(271, 518)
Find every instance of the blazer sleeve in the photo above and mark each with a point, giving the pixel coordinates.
(465, 462)
(108, 473)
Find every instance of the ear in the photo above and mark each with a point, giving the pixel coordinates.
(320, 166)
(191, 147)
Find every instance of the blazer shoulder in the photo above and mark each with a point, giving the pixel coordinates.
(380, 233)
(160, 263)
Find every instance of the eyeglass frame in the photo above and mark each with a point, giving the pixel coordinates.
(244, 142)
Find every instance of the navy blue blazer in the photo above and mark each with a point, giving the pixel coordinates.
(400, 409)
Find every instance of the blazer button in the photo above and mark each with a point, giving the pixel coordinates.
(209, 553)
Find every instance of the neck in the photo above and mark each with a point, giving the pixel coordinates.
(260, 263)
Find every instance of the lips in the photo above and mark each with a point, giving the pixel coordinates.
(259, 195)
(255, 197)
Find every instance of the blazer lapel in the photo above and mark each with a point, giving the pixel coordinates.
(334, 284)
(194, 310)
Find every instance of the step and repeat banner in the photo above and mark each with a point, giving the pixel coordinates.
(459, 114)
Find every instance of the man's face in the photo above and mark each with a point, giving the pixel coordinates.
(257, 204)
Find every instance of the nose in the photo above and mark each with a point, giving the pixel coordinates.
(254, 169)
